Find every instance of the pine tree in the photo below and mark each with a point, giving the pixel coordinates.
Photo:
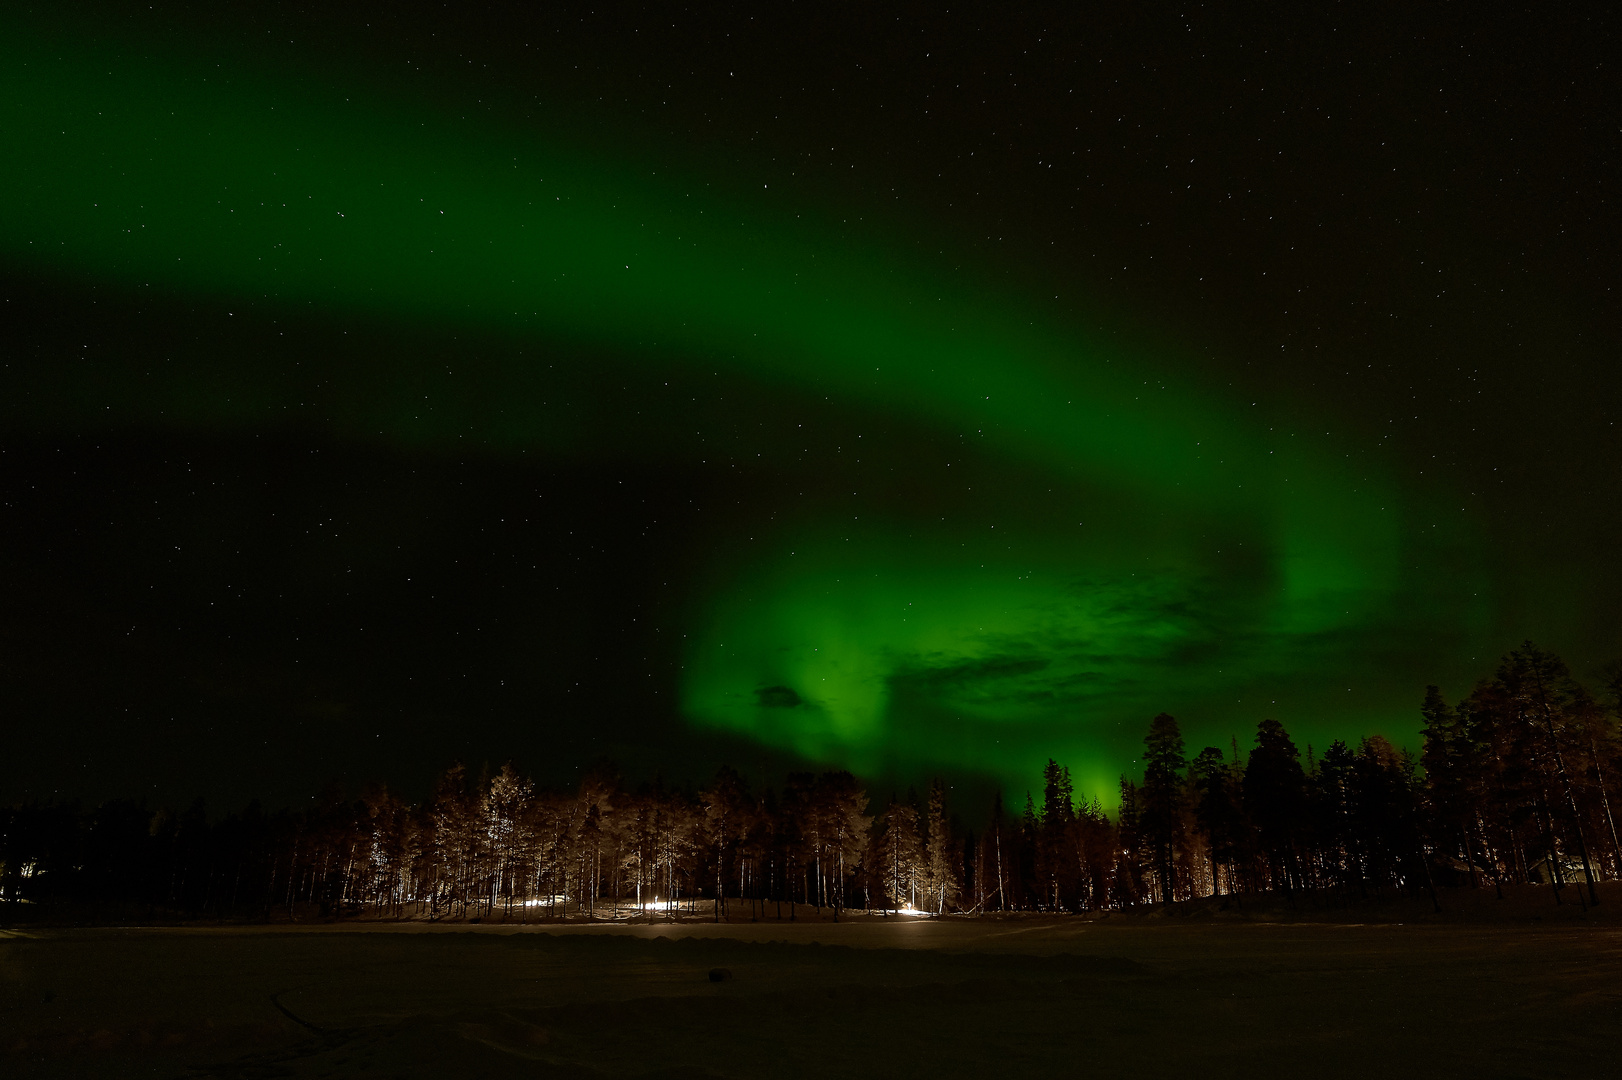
(1218, 812)
(994, 841)
(939, 851)
(1275, 800)
(797, 811)
(1160, 819)
(457, 836)
(900, 854)
(503, 811)
(1056, 865)
(1541, 689)
(843, 826)
(1127, 883)
(1447, 758)
(724, 808)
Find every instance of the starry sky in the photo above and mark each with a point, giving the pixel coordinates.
(890, 388)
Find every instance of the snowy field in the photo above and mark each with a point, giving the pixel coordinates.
(896, 998)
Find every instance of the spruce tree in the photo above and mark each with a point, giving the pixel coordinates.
(939, 851)
(1275, 798)
(1160, 818)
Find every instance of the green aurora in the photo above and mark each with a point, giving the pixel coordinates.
(1121, 542)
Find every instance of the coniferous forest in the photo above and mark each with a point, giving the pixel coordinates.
(1514, 785)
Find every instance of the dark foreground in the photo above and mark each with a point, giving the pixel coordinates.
(894, 999)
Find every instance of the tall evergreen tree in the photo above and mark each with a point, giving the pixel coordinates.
(940, 851)
(1541, 689)
(900, 854)
(725, 806)
(1160, 803)
(1275, 800)
(1219, 811)
(1055, 851)
(843, 827)
(1127, 882)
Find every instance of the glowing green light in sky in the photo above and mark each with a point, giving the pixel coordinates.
(872, 642)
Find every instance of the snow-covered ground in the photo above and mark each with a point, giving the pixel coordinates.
(895, 998)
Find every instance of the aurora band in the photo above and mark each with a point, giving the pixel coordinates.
(851, 642)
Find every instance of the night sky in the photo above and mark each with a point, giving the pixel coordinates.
(890, 388)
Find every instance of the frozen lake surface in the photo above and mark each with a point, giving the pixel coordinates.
(892, 998)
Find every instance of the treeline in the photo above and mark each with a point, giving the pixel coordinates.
(1514, 785)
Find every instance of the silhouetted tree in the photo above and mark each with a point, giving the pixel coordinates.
(992, 880)
(1275, 800)
(1160, 801)
(725, 806)
(1127, 884)
(1219, 812)
(1055, 861)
